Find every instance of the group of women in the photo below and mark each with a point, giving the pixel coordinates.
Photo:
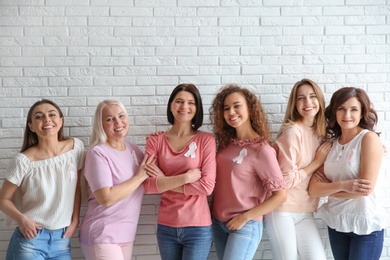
(319, 152)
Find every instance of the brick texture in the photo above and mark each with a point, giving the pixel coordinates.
(78, 53)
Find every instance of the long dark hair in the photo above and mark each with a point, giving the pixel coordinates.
(31, 138)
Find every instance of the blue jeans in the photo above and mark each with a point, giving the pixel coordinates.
(350, 246)
(189, 243)
(237, 244)
(48, 244)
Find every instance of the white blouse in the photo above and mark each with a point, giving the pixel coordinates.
(361, 215)
(46, 188)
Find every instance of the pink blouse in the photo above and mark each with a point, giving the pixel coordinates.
(191, 207)
(247, 171)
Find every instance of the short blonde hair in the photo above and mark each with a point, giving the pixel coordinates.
(98, 134)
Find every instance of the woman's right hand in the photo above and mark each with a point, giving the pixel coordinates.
(193, 175)
(359, 186)
(28, 227)
(322, 152)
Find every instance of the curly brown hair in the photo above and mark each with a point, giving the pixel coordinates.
(224, 132)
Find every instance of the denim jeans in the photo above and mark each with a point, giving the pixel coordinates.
(188, 243)
(48, 244)
(350, 246)
(237, 244)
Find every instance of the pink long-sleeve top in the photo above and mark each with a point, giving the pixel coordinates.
(191, 207)
(247, 171)
(296, 149)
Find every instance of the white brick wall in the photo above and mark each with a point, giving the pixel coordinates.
(80, 52)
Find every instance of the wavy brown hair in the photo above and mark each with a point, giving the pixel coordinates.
(224, 132)
(369, 115)
(292, 115)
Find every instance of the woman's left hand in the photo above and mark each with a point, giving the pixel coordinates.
(70, 229)
(237, 222)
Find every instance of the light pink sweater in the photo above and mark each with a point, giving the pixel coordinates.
(296, 149)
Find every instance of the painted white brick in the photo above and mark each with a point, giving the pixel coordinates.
(66, 41)
(261, 50)
(44, 51)
(153, 21)
(297, 50)
(135, 31)
(259, 11)
(10, 51)
(45, 72)
(365, 20)
(25, 81)
(132, 51)
(89, 51)
(323, 40)
(323, 59)
(8, 10)
(123, 71)
(239, 41)
(154, 3)
(157, 81)
(197, 41)
(281, 40)
(176, 51)
(301, 11)
(13, 72)
(261, 69)
(239, 21)
(11, 31)
(220, 70)
(91, 71)
(91, 31)
(79, 52)
(90, 91)
(21, 61)
(15, 21)
(70, 81)
(281, 21)
(178, 70)
(262, 31)
(43, 92)
(239, 60)
(66, 61)
(218, 11)
(365, 58)
(66, 2)
(196, 21)
(174, 12)
(21, 41)
(86, 11)
(218, 51)
(338, 10)
(41, 11)
(46, 31)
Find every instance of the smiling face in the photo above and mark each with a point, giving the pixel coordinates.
(115, 122)
(348, 115)
(307, 104)
(236, 112)
(46, 120)
(183, 107)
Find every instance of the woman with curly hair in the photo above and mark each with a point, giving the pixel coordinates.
(249, 182)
